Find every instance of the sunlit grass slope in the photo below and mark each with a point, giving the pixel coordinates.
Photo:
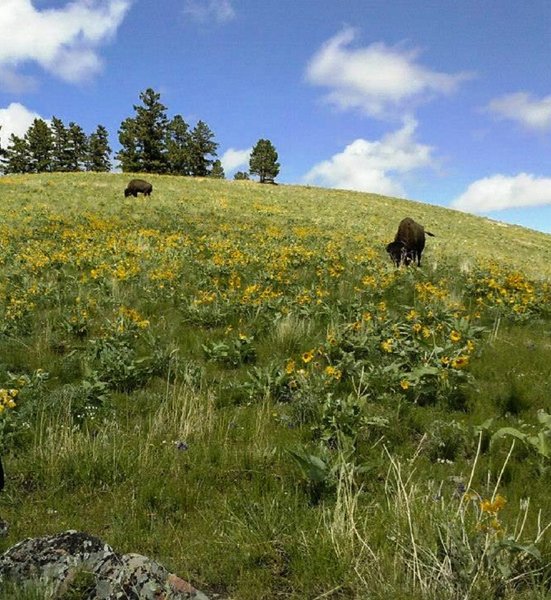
(235, 380)
(459, 236)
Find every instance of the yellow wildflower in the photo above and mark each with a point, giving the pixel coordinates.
(7, 398)
(387, 345)
(455, 336)
(332, 340)
(308, 356)
(369, 281)
(331, 371)
(404, 384)
(460, 362)
(492, 508)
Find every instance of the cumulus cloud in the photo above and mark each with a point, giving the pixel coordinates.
(374, 166)
(204, 11)
(530, 112)
(499, 192)
(233, 159)
(15, 119)
(63, 41)
(379, 80)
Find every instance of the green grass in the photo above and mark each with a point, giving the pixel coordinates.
(249, 322)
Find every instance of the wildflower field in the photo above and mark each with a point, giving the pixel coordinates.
(234, 380)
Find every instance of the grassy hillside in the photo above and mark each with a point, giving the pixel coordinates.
(235, 380)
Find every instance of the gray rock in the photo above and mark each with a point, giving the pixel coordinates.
(75, 559)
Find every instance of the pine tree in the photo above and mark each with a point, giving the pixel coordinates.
(128, 155)
(263, 161)
(39, 139)
(241, 175)
(202, 145)
(77, 147)
(61, 158)
(178, 147)
(217, 171)
(143, 138)
(151, 124)
(16, 158)
(99, 151)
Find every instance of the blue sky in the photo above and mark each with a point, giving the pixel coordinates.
(442, 101)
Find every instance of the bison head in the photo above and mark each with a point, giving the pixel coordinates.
(399, 253)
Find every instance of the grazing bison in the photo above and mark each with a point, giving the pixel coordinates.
(408, 243)
(136, 186)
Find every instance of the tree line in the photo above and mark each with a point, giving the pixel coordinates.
(150, 141)
(56, 147)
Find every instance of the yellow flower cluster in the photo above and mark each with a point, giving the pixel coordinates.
(333, 372)
(427, 291)
(493, 507)
(507, 290)
(7, 398)
(134, 317)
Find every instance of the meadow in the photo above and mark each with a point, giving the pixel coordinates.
(234, 379)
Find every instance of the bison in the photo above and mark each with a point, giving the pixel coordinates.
(136, 186)
(409, 242)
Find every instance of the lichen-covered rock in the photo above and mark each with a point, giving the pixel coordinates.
(59, 562)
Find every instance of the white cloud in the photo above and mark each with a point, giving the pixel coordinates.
(499, 192)
(374, 166)
(530, 112)
(381, 81)
(16, 119)
(233, 159)
(219, 11)
(62, 41)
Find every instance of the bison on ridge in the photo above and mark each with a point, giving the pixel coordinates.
(136, 186)
(409, 243)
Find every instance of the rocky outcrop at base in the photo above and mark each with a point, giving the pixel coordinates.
(66, 561)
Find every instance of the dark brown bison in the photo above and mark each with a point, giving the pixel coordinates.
(409, 243)
(136, 186)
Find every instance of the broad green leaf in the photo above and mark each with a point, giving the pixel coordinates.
(504, 431)
(312, 466)
(544, 418)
